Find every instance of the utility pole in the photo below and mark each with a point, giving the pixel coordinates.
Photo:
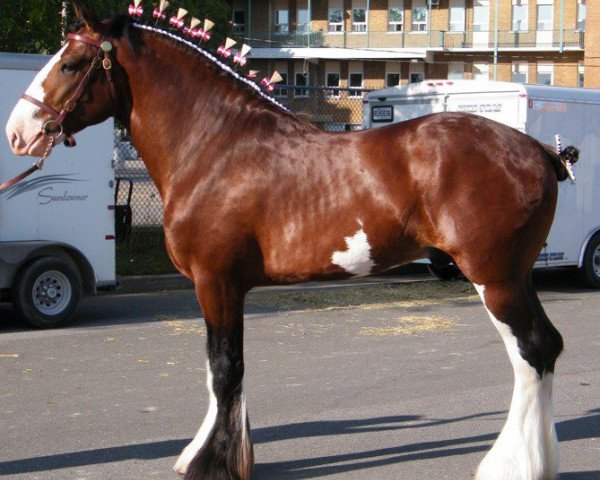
(562, 26)
(429, 23)
(496, 15)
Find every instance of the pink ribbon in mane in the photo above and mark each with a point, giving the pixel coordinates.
(136, 11)
(158, 15)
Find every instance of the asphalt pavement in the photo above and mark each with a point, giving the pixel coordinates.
(344, 393)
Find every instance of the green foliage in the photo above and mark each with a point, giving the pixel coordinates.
(31, 26)
(37, 26)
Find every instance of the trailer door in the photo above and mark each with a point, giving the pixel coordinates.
(575, 123)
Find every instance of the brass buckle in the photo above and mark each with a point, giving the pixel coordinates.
(70, 105)
(106, 63)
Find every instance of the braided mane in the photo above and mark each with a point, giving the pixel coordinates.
(120, 26)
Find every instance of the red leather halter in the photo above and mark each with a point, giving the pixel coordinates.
(104, 47)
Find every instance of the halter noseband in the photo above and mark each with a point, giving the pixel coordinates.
(104, 46)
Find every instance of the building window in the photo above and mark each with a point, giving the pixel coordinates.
(545, 74)
(419, 16)
(392, 74)
(416, 77)
(456, 71)
(481, 16)
(332, 78)
(580, 75)
(359, 16)
(581, 14)
(416, 72)
(519, 15)
(392, 79)
(336, 16)
(545, 15)
(239, 21)
(300, 80)
(519, 73)
(302, 21)
(395, 17)
(282, 21)
(355, 78)
(457, 16)
(481, 71)
(281, 91)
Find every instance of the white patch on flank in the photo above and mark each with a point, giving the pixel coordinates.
(22, 119)
(201, 437)
(527, 447)
(356, 259)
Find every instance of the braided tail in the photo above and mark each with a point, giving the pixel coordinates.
(562, 161)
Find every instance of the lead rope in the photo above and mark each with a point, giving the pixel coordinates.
(36, 166)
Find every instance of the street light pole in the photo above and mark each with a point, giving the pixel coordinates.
(562, 25)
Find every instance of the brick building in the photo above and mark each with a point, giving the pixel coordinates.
(379, 43)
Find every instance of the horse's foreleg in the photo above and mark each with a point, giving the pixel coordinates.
(222, 448)
(527, 448)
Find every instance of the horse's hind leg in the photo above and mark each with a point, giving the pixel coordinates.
(222, 448)
(527, 448)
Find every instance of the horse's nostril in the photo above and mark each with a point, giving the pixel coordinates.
(14, 140)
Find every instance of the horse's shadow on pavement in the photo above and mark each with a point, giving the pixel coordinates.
(587, 426)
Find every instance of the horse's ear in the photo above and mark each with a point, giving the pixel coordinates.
(83, 14)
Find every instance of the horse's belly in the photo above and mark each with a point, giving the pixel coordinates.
(331, 255)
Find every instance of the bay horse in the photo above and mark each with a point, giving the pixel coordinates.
(253, 195)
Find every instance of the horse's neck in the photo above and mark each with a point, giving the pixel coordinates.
(181, 109)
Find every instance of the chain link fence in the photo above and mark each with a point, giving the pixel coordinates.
(138, 213)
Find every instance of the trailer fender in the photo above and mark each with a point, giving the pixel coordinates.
(19, 253)
(586, 242)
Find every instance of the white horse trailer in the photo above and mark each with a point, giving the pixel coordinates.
(539, 111)
(57, 228)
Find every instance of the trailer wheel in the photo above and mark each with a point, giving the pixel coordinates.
(46, 292)
(589, 273)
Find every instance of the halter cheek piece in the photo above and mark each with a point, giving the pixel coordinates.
(101, 60)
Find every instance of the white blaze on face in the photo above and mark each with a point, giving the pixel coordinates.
(356, 259)
(23, 124)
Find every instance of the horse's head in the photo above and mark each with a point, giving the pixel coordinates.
(72, 91)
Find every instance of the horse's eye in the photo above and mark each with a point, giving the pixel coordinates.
(68, 68)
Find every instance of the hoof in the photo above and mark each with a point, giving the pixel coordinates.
(184, 460)
(513, 460)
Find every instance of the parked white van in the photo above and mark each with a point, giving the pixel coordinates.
(57, 227)
(539, 111)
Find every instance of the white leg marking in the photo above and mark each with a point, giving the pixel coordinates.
(527, 447)
(356, 259)
(201, 437)
(23, 121)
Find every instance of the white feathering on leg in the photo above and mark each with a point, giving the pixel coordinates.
(201, 437)
(527, 447)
